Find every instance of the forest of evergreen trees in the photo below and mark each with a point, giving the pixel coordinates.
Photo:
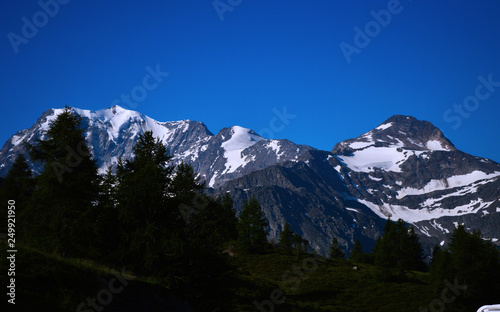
(148, 216)
(156, 220)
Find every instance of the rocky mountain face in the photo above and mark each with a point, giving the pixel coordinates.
(313, 197)
(113, 132)
(404, 168)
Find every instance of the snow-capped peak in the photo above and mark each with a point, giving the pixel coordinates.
(240, 139)
(389, 145)
(411, 133)
(113, 132)
(403, 132)
(117, 115)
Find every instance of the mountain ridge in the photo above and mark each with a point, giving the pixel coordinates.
(112, 132)
(403, 168)
(404, 131)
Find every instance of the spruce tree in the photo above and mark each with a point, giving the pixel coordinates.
(475, 263)
(186, 191)
(62, 213)
(335, 250)
(299, 243)
(357, 253)
(18, 186)
(440, 267)
(107, 221)
(224, 220)
(228, 221)
(399, 248)
(437, 252)
(208, 225)
(186, 184)
(147, 219)
(251, 227)
(214, 226)
(286, 237)
(413, 256)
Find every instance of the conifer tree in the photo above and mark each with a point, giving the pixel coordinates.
(335, 250)
(251, 227)
(357, 253)
(225, 221)
(18, 186)
(213, 226)
(399, 248)
(286, 237)
(146, 217)
(413, 256)
(228, 217)
(475, 263)
(107, 221)
(437, 252)
(186, 191)
(299, 243)
(186, 184)
(18, 183)
(62, 211)
(207, 225)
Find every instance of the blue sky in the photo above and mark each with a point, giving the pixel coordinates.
(246, 62)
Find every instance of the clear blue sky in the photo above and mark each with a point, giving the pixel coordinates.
(263, 56)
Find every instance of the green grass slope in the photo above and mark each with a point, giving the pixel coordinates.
(294, 282)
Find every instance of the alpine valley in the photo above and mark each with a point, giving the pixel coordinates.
(402, 169)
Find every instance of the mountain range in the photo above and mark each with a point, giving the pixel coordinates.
(403, 168)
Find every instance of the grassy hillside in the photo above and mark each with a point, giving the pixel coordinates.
(296, 283)
(311, 284)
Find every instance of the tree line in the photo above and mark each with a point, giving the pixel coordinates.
(156, 219)
(149, 216)
(469, 263)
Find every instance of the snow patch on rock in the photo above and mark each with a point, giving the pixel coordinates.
(240, 140)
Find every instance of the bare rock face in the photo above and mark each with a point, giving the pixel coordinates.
(112, 134)
(402, 131)
(404, 168)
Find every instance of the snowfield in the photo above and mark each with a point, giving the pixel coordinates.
(451, 182)
(241, 138)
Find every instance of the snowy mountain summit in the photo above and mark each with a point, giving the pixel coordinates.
(399, 131)
(113, 132)
(404, 168)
